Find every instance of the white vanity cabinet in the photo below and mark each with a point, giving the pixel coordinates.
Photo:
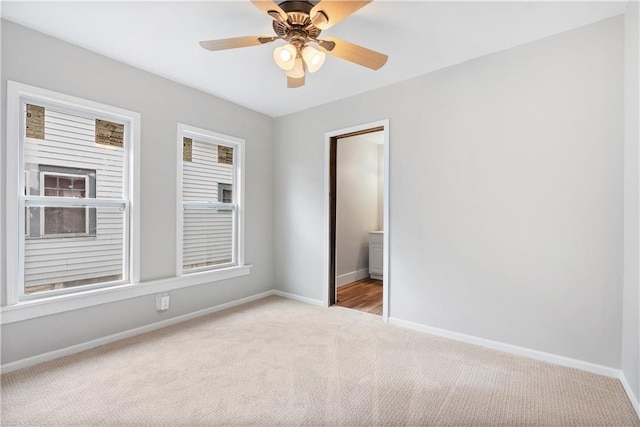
(376, 244)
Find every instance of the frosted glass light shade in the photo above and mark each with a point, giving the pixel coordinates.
(298, 69)
(313, 58)
(285, 56)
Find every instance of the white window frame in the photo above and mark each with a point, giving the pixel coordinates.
(27, 187)
(43, 232)
(17, 96)
(15, 310)
(195, 133)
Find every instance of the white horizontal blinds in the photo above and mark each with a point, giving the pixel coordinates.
(208, 226)
(59, 162)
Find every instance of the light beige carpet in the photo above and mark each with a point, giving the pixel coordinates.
(281, 362)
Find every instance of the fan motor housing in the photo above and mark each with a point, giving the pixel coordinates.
(298, 18)
(297, 6)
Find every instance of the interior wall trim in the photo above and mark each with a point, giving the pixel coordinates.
(377, 126)
(298, 298)
(495, 345)
(354, 276)
(627, 388)
(77, 348)
(526, 352)
(74, 301)
(511, 349)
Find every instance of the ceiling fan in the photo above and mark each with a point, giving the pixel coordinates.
(299, 23)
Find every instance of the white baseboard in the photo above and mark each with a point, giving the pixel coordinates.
(297, 298)
(507, 348)
(77, 348)
(632, 397)
(526, 352)
(55, 354)
(512, 349)
(345, 279)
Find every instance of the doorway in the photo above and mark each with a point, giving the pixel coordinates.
(359, 278)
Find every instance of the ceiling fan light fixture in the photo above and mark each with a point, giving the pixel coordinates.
(298, 69)
(313, 58)
(298, 23)
(285, 56)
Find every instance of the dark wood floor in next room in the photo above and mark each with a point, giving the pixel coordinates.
(364, 295)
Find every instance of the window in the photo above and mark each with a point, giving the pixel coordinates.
(27, 228)
(225, 193)
(60, 221)
(73, 171)
(209, 200)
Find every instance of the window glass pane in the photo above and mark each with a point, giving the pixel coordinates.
(78, 184)
(201, 175)
(207, 234)
(65, 182)
(60, 262)
(225, 154)
(207, 238)
(50, 181)
(65, 220)
(74, 193)
(225, 193)
(75, 143)
(70, 157)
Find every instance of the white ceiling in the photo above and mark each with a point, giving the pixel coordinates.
(419, 37)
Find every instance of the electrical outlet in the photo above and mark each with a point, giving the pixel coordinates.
(162, 302)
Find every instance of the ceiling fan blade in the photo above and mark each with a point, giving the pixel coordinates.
(354, 53)
(328, 13)
(294, 83)
(235, 42)
(272, 9)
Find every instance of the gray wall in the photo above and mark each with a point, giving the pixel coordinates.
(35, 59)
(357, 202)
(506, 198)
(631, 307)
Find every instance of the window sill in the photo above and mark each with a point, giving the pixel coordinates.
(25, 310)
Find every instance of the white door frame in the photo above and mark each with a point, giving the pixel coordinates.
(385, 208)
